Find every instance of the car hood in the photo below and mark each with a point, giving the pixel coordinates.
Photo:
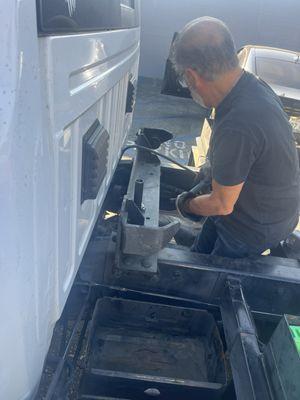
(290, 98)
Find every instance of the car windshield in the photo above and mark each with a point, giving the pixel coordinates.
(278, 72)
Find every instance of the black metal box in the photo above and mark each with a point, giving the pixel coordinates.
(139, 350)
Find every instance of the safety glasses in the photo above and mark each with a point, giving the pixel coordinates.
(182, 81)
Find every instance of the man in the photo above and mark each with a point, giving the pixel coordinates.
(255, 174)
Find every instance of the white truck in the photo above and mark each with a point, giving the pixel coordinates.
(88, 249)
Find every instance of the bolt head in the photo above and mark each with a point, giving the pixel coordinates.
(146, 263)
(127, 261)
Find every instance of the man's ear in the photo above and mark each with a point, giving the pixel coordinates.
(193, 78)
(190, 75)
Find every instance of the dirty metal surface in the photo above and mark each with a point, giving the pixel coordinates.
(140, 237)
(199, 277)
(154, 353)
(146, 238)
(246, 359)
(141, 346)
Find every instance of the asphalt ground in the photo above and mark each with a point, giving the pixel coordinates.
(181, 117)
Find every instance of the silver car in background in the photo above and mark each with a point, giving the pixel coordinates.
(281, 70)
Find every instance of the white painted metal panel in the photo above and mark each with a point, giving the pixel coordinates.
(52, 90)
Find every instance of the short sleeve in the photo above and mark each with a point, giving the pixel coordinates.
(232, 157)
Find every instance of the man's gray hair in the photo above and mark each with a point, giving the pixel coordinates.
(206, 46)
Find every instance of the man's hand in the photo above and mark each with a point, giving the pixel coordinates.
(182, 206)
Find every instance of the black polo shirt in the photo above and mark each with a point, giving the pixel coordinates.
(252, 142)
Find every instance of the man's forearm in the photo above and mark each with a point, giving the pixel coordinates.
(220, 201)
(208, 205)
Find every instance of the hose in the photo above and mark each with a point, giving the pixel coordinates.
(157, 153)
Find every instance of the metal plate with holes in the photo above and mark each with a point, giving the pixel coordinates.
(201, 277)
(140, 236)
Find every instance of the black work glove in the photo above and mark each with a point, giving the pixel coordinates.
(181, 204)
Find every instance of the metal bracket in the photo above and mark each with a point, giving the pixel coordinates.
(247, 361)
(140, 236)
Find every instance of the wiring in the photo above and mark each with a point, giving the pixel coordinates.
(157, 153)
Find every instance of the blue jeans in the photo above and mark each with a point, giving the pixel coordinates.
(215, 239)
